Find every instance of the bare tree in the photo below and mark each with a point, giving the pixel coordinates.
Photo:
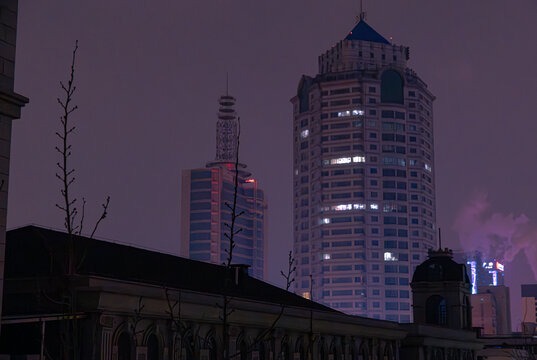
(68, 206)
(66, 173)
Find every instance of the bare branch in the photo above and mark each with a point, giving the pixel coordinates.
(103, 215)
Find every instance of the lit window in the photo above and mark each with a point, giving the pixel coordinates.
(344, 160)
(296, 171)
(304, 133)
(358, 112)
(359, 206)
(428, 167)
(358, 159)
(389, 256)
(325, 221)
(374, 206)
(326, 256)
(342, 207)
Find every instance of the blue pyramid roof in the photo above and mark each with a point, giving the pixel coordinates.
(364, 32)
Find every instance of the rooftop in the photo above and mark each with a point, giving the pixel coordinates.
(362, 31)
(32, 251)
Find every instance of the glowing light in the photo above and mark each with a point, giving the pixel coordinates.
(389, 256)
(359, 206)
(374, 206)
(428, 167)
(358, 159)
(250, 180)
(304, 133)
(494, 277)
(306, 295)
(499, 266)
(326, 256)
(473, 272)
(325, 221)
(355, 112)
(337, 161)
(342, 207)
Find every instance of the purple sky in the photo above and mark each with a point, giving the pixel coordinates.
(150, 72)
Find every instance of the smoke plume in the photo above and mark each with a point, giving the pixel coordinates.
(496, 235)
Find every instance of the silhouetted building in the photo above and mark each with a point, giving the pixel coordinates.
(128, 303)
(10, 109)
(207, 198)
(364, 188)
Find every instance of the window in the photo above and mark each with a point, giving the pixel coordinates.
(391, 88)
(436, 310)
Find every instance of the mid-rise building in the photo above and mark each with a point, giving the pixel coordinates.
(207, 200)
(364, 188)
(529, 303)
(491, 310)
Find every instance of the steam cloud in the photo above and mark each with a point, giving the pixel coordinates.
(494, 234)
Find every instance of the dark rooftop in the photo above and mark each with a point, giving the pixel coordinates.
(440, 267)
(33, 251)
(364, 32)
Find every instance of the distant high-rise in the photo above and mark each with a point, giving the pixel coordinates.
(484, 272)
(207, 195)
(364, 188)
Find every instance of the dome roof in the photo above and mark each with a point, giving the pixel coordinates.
(440, 267)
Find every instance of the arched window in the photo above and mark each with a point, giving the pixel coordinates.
(262, 351)
(391, 87)
(388, 353)
(243, 348)
(364, 354)
(124, 347)
(435, 310)
(153, 352)
(285, 354)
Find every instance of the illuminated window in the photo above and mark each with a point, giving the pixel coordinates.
(374, 206)
(359, 206)
(325, 221)
(304, 133)
(326, 256)
(428, 167)
(358, 159)
(389, 256)
(344, 160)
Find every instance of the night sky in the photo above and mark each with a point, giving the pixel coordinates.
(149, 74)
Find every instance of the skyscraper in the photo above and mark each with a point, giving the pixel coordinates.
(364, 189)
(207, 198)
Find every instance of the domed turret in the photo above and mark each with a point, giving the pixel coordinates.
(441, 292)
(440, 267)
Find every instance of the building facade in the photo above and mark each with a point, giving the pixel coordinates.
(10, 109)
(364, 189)
(529, 303)
(207, 198)
(138, 304)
